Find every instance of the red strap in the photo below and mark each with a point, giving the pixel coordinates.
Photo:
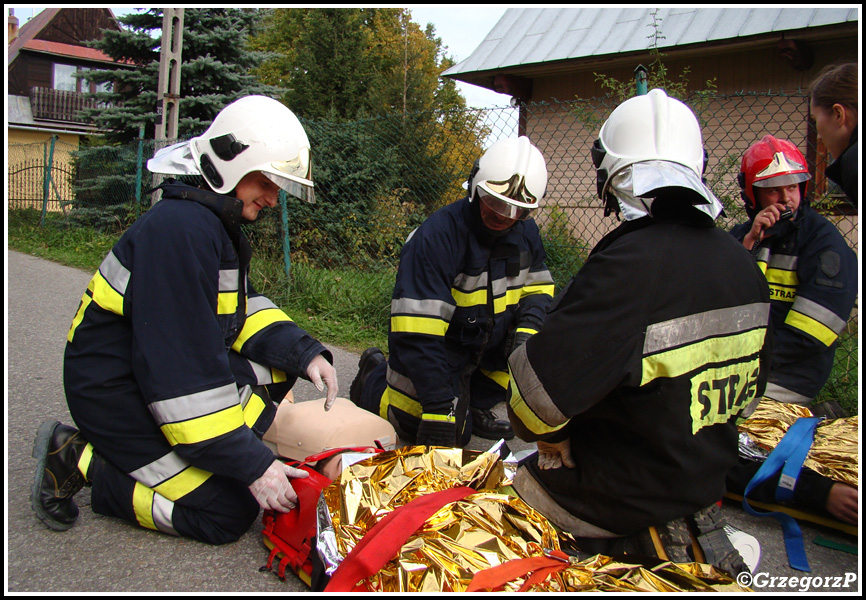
(495, 578)
(331, 452)
(383, 541)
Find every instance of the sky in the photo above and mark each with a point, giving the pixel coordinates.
(460, 27)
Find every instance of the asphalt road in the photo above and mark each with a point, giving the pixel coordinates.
(107, 555)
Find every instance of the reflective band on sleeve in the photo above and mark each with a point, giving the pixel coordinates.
(808, 325)
(527, 416)
(531, 392)
(253, 409)
(192, 406)
(257, 322)
(79, 316)
(106, 296)
(820, 313)
(204, 428)
(423, 325)
(114, 273)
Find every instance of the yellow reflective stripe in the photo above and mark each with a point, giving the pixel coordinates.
(105, 295)
(781, 277)
(531, 290)
(203, 428)
(79, 316)
(253, 410)
(278, 376)
(392, 397)
(685, 359)
(257, 322)
(816, 329)
(84, 460)
(476, 298)
(227, 303)
(526, 330)
(721, 392)
(782, 293)
(142, 504)
(182, 484)
(526, 415)
(500, 377)
(403, 324)
(439, 418)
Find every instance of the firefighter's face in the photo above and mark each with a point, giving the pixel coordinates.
(256, 192)
(493, 220)
(786, 196)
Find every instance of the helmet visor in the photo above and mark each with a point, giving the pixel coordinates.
(294, 176)
(782, 180)
(503, 208)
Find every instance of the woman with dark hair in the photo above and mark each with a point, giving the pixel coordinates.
(834, 108)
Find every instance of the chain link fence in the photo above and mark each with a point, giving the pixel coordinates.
(377, 180)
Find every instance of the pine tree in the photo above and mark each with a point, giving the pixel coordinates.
(216, 68)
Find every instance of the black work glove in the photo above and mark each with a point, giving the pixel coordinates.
(516, 339)
(437, 430)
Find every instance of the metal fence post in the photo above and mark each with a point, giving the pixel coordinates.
(46, 184)
(138, 170)
(285, 215)
(640, 80)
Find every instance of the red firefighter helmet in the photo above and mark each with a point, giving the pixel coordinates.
(771, 162)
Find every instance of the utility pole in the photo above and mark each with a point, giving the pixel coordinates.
(168, 94)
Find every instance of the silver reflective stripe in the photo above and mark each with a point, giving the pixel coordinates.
(229, 280)
(532, 389)
(821, 314)
(399, 382)
(783, 262)
(779, 394)
(501, 285)
(469, 283)
(425, 308)
(245, 394)
(195, 405)
(693, 328)
(538, 277)
(257, 303)
(162, 469)
(162, 511)
(263, 374)
(115, 273)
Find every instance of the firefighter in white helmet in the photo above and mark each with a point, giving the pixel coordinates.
(472, 285)
(173, 358)
(632, 388)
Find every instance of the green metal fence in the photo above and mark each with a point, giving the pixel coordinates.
(378, 179)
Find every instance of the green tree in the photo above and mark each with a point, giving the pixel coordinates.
(216, 68)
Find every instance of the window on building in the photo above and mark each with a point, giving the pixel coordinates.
(65, 79)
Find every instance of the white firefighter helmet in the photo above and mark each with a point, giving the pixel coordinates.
(648, 143)
(510, 177)
(254, 133)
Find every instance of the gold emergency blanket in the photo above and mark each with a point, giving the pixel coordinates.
(834, 452)
(483, 530)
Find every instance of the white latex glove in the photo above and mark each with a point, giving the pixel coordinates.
(554, 456)
(320, 370)
(273, 490)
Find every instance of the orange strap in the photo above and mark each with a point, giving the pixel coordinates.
(540, 567)
(384, 540)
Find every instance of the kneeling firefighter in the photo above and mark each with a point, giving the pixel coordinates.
(173, 358)
(472, 285)
(632, 388)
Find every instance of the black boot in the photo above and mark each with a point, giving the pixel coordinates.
(57, 449)
(486, 425)
(370, 359)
